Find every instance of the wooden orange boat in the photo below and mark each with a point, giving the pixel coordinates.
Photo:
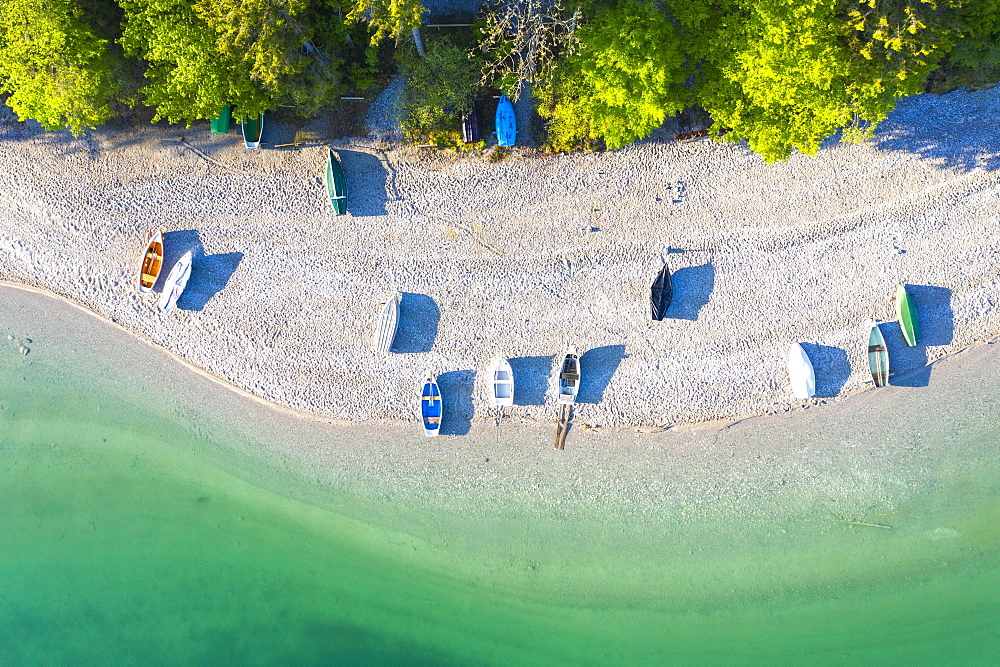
(152, 262)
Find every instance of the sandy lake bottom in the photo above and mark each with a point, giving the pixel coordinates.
(150, 516)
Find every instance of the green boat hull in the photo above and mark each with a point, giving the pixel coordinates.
(336, 183)
(220, 124)
(253, 128)
(907, 314)
(878, 357)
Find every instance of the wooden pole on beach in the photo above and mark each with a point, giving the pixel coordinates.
(562, 426)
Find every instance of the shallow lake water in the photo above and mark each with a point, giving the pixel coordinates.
(139, 525)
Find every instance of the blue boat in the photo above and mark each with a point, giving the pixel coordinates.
(506, 123)
(430, 407)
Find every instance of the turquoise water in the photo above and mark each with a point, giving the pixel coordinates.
(138, 528)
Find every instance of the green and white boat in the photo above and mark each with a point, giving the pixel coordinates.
(336, 183)
(220, 124)
(906, 313)
(878, 357)
(253, 128)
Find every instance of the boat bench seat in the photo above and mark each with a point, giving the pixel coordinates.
(876, 348)
(570, 376)
(433, 420)
(148, 278)
(430, 398)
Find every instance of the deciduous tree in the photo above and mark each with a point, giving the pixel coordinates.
(55, 68)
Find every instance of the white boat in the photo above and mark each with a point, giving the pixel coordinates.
(502, 382)
(176, 282)
(800, 372)
(385, 325)
(569, 377)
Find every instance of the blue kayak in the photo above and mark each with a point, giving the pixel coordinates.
(506, 123)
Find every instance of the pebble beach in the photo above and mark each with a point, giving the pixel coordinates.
(521, 257)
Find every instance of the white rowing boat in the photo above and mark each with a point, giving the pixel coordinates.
(800, 372)
(176, 282)
(501, 382)
(385, 325)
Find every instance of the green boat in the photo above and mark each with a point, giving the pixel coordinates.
(907, 314)
(336, 183)
(878, 357)
(253, 128)
(220, 124)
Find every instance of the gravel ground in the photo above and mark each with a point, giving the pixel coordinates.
(523, 257)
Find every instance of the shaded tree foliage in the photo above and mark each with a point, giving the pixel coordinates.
(522, 40)
(440, 89)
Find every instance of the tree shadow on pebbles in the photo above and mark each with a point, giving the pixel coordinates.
(953, 129)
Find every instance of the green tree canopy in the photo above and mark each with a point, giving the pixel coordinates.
(627, 77)
(55, 68)
(786, 74)
(440, 89)
(388, 18)
(189, 79)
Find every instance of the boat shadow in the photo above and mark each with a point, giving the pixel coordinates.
(934, 314)
(530, 379)
(831, 366)
(209, 273)
(418, 324)
(456, 394)
(367, 182)
(693, 286)
(597, 365)
(936, 322)
(908, 365)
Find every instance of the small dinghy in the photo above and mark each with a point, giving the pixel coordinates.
(152, 261)
(220, 124)
(385, 326)
(430, 407)
(800, 372)
(506, 122)
(569, 377)
(502, 382)
(470, 126)
(336, 183)
(878, 357)
(906, 313)
(253, 128)
(176, 282)
(661, 294)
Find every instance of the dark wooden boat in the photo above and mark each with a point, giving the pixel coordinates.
(661, 294)
(152, 262)
(336, 183)
(470, 126)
